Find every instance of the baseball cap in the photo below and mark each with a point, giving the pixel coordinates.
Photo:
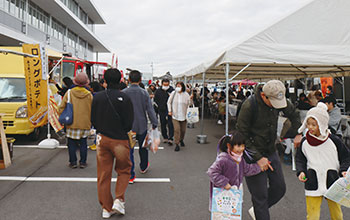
(275, 91)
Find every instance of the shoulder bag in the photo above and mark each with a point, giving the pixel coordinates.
(66, 118)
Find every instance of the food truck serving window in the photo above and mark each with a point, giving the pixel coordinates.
(68, 69)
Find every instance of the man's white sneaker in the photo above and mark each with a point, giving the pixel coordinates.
(107, 214)
(219, 122)
(251, 213)
(119, 206)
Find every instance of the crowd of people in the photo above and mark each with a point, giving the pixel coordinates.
(127, 107)
(249, 152)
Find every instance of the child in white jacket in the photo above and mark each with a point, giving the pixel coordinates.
(321, 159)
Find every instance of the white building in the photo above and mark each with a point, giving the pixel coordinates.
(66, 26)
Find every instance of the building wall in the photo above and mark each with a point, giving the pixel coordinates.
(27, 18)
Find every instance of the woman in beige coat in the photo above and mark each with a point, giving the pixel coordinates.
(77, 132)
(178, 103)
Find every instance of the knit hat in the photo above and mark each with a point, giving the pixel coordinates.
(81, 79)
(320, 114)
(275, 91)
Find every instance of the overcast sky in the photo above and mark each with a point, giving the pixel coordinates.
(177, 35)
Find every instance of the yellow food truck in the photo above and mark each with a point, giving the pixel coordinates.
(13, 99)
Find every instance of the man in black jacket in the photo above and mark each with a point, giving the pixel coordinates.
(112, 116)
(161, 98)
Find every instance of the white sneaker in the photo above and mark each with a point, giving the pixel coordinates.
(107, 214)
(119, 206)
(219, 122)
(251, 213)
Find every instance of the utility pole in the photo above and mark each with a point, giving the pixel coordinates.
(152, 68)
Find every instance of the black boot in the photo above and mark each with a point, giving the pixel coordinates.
(182, 144)
(177, 148)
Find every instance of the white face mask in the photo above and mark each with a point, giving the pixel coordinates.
(178, 89)
(165, 87)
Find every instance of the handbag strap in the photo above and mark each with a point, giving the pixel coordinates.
(172, 101)
(110, 102)
(68, 96)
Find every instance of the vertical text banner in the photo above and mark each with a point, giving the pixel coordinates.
(36, 86)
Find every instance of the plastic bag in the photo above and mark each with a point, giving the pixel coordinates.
(152, 140)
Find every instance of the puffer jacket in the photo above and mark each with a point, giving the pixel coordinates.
(81, 100)
(226, 170)
(261, 133)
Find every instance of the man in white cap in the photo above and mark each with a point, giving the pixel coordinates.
(257, 121)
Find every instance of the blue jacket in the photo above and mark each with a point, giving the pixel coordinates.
(142, 104)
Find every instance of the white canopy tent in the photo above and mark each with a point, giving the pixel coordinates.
(313, 41)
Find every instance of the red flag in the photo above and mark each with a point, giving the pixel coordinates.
(112, 59)
(116, 62)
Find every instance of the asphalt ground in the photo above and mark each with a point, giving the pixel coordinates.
(185, 197)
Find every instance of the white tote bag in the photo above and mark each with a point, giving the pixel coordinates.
(192, 115)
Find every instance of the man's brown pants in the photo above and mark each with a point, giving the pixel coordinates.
(107, 150)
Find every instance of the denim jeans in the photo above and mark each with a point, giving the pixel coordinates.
(73, 145)
(143, 152)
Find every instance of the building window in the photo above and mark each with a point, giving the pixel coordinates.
(58, 30)
(72, 38)
(91, 25)
(82, 44)
(83, 16)
(22, 9)
(14, 7)
(6, 5)
(73, 6)
(38, 17)
(90, 48)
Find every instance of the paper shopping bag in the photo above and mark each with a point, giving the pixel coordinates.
(227, 204)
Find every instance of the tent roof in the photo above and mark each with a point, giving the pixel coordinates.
(314, 41)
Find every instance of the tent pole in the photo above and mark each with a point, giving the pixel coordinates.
(203, 94)
(227, 71)
(185, 81)
(227, 96)
(201, 138)
(343, 85)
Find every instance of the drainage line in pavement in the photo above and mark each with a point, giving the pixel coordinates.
(45, 163)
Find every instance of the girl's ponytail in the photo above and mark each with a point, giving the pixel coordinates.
(222, 144)
(236, 138)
